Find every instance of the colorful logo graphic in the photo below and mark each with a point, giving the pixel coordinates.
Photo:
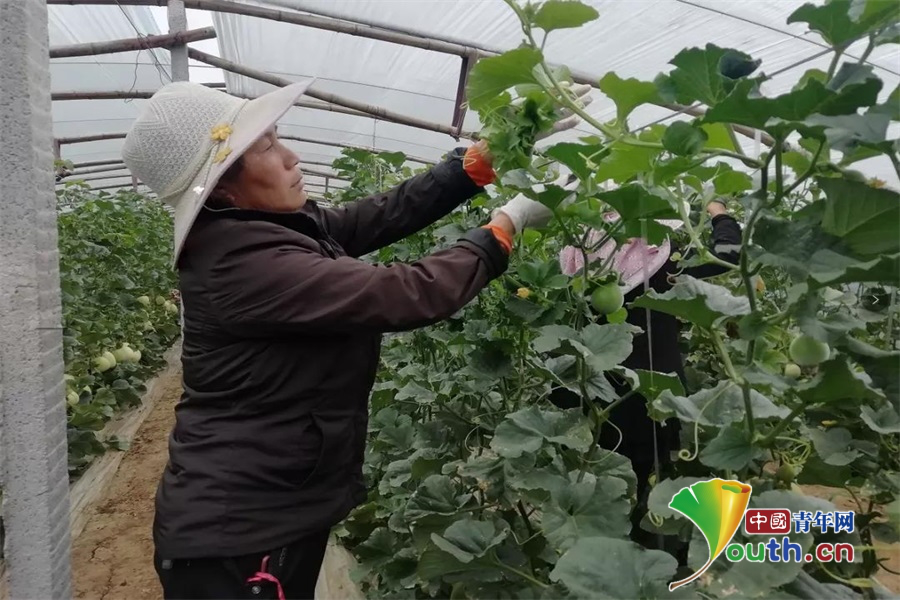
(717, 508)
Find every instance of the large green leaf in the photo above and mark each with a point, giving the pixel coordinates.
(732, 182)
(653, 383)
(845, 133)
(436, 563)
(791, 244)
(834, 23)
(683, 139)
(602, 346)
(837, 382)
(866, 218)
(732, 449)
(492, 76)
(628, 94)
(885, 420)
(599, 567)
(880, 365)
(591, 508)
(834, 446)
(699, 74)
(829, 268)
(718, 406)
(717, 136)
(563, 370)
(633, 201)
(563, 14)
(378, 549)
(581, 158)
(744, 106)
(468, 539)
(527, 430)
(438, 495)
(624, 162)
(697, 301)
(805, 249)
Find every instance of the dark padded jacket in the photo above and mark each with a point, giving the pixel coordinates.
(282, 332)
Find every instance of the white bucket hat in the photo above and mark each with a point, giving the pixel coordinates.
(188, 135)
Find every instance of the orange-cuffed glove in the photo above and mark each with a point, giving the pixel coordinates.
(477, 164)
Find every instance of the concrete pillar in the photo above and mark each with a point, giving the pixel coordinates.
(178, 22)
(32, 406)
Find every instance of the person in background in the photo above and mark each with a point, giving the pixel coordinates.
(656, 347)
(282, 327)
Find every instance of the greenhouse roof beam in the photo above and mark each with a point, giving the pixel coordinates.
(121, 95)
(97, 163)
(133, 44)
(295, 18)
(376, 111)
(106, 169)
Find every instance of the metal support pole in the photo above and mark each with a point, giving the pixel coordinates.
(134, 183)
(178, 23)
(33, 461)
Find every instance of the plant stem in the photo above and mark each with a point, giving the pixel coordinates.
(525, 518)
(600, 416)
(781, 425)
(779, 171)
(809, 171)
(524, 576)
(748, 409)
(869, 48)
(719, 345)
(896, 162)
(734, 139)
(838, 52)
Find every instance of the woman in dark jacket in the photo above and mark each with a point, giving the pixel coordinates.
(282, 329)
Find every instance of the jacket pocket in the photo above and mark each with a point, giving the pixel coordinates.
(338, 440)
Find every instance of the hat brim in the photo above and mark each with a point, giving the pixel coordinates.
(250, 124)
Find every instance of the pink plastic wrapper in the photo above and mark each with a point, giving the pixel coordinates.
(629, 260)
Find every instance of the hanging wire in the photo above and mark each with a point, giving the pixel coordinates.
(159, 66)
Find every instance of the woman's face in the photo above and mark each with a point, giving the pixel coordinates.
(269, 179)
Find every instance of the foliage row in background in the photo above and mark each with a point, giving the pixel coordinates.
(480, 488)
(119, 314)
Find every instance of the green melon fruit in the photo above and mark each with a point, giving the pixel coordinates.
(807, 351)
(792, 371)
(122, 354)
(145, 300)
(785, 473)
(607, 298)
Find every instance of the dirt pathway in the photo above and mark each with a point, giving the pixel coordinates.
(112, 559)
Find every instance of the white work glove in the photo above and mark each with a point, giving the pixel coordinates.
(526, 213)
(581, 95)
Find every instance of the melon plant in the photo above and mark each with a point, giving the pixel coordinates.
(480, 487)
(114, 254)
